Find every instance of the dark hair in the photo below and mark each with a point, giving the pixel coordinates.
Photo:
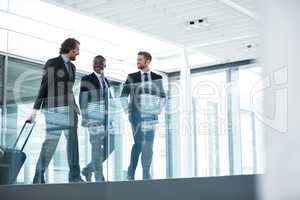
(99, 57)
(146, 55)
(68, 45)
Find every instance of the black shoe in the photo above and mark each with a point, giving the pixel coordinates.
(39, 178)
(100, 179)
(87, 174)
(76, 180)
(146, 175)
(130, 175)
(130, 178)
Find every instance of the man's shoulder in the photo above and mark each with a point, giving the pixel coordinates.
(53, 61)
(134, 74)
(156, 76)
(87, 77)
(134, 77)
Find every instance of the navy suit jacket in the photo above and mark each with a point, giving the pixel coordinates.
(56, 88)
(91, 91)
(132, 89)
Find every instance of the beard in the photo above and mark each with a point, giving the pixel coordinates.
(141, 66)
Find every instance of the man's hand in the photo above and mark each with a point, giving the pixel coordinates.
(85, 121)
(124, 104)
(32, 116)
(125, 110)
(1, 153)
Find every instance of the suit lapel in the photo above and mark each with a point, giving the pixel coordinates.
(62, 64)
(95, 80)
(69, 75)
(152, 76)
(107, 83)
(72, 72)
(139, 77)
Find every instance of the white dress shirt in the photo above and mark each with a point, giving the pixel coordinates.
(148, 74)
(66, 60)
(101, 79)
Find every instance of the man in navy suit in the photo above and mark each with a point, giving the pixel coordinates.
(56, 99)
(94, 104)
(143, 84)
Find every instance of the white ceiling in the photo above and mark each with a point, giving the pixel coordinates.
(231, 23)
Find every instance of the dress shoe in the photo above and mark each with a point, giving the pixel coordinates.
(76, 180)
(39, 178)
(130, 178)
(87, 174)
(146, 175)
(100, 178)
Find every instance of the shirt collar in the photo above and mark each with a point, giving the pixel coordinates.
(65, 59)
(99, 74)
(148, 72)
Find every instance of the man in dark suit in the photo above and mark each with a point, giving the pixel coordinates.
(141, 86)
(57, 101)
(94, 103)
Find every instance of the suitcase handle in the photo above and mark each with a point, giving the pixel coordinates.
(21, 132)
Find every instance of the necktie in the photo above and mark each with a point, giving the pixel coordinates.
(146, 85)
(146, 77)
(68, 67)
(103, 85)
(103, 82)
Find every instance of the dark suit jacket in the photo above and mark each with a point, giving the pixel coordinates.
(91, 91)
(132, 88)
(56, 88)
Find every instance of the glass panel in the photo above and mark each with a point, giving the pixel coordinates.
(210, 116)
(137, 130)
(2, 62)
(250, 84)
(22, 85)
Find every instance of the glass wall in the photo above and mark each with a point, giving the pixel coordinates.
(210, 116)
(2, 70)
(250, 82)
(225, 136)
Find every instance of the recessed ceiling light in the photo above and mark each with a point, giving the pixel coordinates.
(197, 23)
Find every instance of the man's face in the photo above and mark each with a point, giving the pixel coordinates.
(142, 63)
(99, 65)
(74, 52)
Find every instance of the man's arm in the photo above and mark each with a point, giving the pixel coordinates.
(77, 110)
(162, 94)
(125, 93)
(126, 88)
(83, 97)
(42, 93)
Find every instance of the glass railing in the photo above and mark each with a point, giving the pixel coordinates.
(126, 133)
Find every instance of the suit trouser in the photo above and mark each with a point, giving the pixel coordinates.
(97, 137)
(53, 133)
(108, 147)
(143, 144)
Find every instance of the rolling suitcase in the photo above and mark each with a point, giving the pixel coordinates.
(12, 159)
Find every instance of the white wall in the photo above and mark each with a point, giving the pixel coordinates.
(281, 63)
